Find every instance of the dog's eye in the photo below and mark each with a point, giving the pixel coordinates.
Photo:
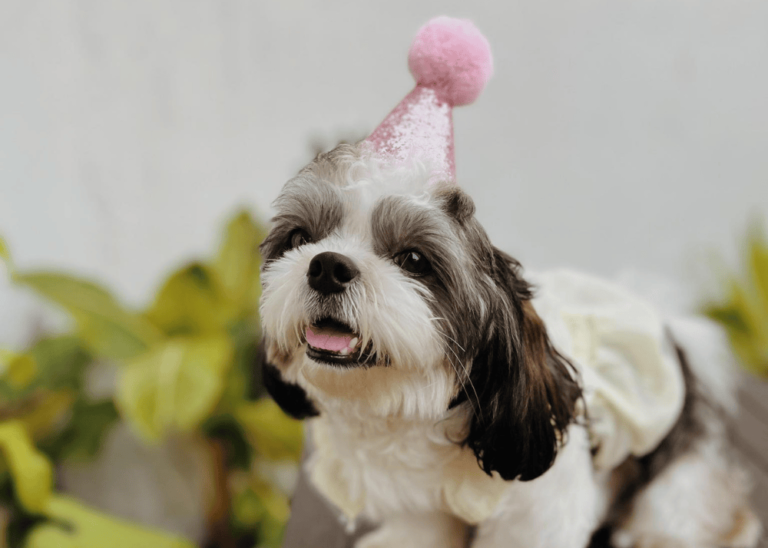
(298, 238)
(413, 262)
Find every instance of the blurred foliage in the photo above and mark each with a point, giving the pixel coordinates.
(186, 365)
(743, 312)
(74, 525)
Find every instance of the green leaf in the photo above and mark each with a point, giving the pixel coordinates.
(224, 428)
(88, 425)
(259, 502)
(76, 525)
(745, 318)
(272, 433)
(61, 361)
(18, 370)
(31, 471)
(758, 266)
(5, 254)
(271, 533)
(191, 302)
(59, 364)
(175, 385)
(237, 263)
(244, 377)
(46, 411)
(109, 329)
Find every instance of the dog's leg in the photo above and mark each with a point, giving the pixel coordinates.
(560, 509)
(417, 530)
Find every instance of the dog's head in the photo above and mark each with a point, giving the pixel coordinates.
(383, 292)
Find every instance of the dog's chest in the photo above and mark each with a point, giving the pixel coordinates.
(382, 467)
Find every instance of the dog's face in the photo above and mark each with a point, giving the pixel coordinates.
(382, 291)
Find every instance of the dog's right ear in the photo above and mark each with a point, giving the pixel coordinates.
(290, 397)
(524, 395)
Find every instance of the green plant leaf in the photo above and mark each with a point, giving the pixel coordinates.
(258, 502)
(271, 533)
(45, 412)
(244, 377)
(108, 329)
(273, 434)
(758, 271)
(175, 385)
(224, 428)
(61, 361)
(237, 263)
(18, 370)
(83, 436)
(31, 471)
(191, 302)
(76, 525)
(744, 312)
(5, 255)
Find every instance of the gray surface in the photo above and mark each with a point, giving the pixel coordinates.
(314, 525)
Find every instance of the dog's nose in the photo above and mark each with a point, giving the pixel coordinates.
(331, 272)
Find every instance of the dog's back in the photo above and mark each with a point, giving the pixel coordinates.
(689, 491)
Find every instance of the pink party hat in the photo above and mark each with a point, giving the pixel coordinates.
(451, 62)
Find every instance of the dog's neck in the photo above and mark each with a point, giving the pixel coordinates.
(379, 394)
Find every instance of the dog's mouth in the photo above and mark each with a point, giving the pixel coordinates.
(333, 342)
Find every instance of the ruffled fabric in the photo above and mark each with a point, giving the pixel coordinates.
(632, 381)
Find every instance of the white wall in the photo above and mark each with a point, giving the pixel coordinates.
(616, 133)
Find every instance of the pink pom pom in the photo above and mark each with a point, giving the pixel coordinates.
(453, 57)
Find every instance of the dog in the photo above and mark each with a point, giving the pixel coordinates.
(448, 400)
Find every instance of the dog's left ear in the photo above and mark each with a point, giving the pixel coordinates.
(522, 392)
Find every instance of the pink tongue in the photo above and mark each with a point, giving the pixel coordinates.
(327, 342)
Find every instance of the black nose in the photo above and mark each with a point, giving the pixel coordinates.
(331, 272)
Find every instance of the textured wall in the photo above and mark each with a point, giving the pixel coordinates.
(616, 133)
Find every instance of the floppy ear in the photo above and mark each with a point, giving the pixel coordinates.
(525, 393)
(290, 397)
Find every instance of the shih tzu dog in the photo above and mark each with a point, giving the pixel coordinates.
(452, 401)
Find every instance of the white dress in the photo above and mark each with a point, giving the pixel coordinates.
(632, 381)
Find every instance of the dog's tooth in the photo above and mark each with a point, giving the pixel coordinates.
(344, 352)
(353, 342)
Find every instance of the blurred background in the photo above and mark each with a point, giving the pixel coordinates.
(628, 138)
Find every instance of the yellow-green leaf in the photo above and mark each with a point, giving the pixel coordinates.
(109, 329)
(61, 361)
(18, 370)
(48, 413)
(275, 503)
(192, 302)
(272, 433)
(745, 334)
(5, 254)
(237, 263)
(76, 525)
(89, 424)
(175, 385)
(21, 371)
(259, 501)
(758, 264)
(30, 469)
